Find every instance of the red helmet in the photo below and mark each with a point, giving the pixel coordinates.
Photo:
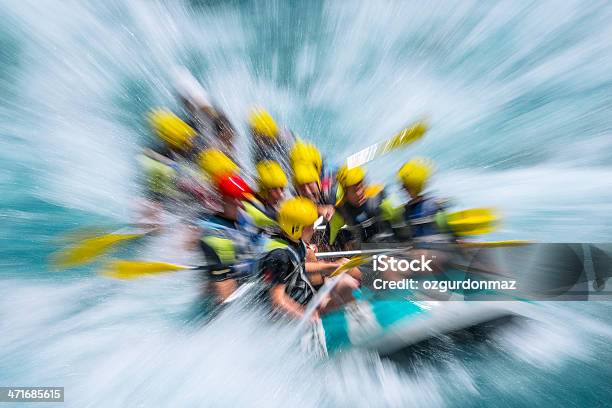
(233, 186)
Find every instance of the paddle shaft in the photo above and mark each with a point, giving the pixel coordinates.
(337, 254)
(491, 244)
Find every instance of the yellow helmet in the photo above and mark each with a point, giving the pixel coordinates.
(304, 173)
(295, 214)
(305, 152)
(349, 177)
(171, 129)
(262, 123)
(415, 174)
(270, 175)
(216, 163)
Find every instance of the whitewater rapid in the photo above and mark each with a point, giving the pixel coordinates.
(518, 99)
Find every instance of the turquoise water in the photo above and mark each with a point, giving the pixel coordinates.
(518, 96)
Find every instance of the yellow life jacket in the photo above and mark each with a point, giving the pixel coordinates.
(258, 217)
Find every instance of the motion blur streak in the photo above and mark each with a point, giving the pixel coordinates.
(518, 95)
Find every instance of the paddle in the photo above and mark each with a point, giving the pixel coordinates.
(92, 246)
(352, 263)
(89, 248)
(132, 269)
(344, 254)
(474, 221)
(400, 140)
(475, 244)
(495, 244)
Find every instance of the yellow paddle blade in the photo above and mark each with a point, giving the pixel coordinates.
(126, 269)
(495, 244)
(474, 221)
(353, 262)
(405, 137)
(472, 215)
(476, 230)
(401, 139)
(88, 249)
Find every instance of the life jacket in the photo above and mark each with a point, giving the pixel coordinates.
(298, 287)
(159, 178)
(231, 246)
(171, 177)
(364, 222)
(426, 217)
(259, 217)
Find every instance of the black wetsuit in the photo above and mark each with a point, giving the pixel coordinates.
(284, 264)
